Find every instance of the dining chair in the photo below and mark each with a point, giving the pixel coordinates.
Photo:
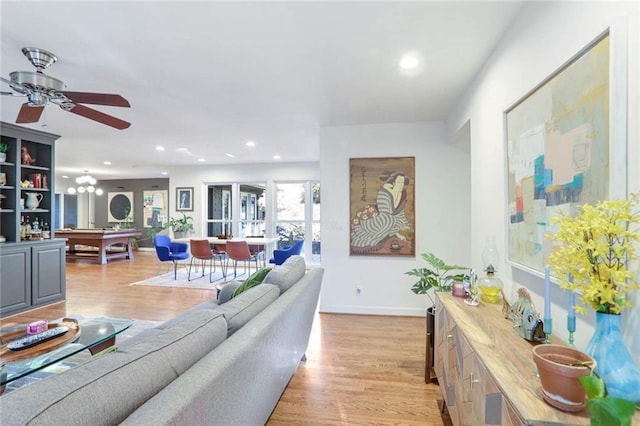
(258, 250)
(239, 251)
(221, 250)
(280, 255)
(170, 251)
(201, 250)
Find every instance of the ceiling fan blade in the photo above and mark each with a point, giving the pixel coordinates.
(12, 85)
(100, 117)
(29, 114)
(96, 98)
(6, 81)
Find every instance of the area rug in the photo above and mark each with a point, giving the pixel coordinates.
(197, 280)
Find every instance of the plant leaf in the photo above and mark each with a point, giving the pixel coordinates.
(610, 411)
(594, 386)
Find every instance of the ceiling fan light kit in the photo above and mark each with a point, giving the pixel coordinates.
(40, 89)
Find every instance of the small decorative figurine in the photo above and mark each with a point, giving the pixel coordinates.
(26, 157)
(525, 319)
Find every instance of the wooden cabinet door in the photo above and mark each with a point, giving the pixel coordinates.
(48, 273)
(15, 279)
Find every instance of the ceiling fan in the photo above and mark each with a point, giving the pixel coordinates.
(40, 89)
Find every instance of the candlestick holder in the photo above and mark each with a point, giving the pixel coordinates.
(547, 330)
(571, 327)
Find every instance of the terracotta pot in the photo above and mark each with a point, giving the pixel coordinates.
(560, 385)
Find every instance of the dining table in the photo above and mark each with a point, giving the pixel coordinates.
(265, 242)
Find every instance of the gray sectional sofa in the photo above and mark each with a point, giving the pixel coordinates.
(215, 364)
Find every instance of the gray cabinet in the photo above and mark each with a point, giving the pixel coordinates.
(31, 275)
(32, 266)
(26, 180)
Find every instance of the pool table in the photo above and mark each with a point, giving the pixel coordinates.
(102, 239)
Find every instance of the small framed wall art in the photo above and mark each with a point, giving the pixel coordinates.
(184, 199)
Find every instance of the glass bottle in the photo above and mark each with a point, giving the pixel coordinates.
(23, 229)
(490, 285)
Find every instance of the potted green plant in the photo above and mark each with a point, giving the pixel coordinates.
(147, 235)
(560, 368)
(438, 276)
(3, 151)
(181, 227)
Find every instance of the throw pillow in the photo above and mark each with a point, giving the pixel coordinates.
(226, 293)
(287, 274)
(255, 279)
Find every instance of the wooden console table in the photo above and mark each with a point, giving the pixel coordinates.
(102, 239)
(486, 371)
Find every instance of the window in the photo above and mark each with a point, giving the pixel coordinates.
(219, 210)
(252, 215)
(241, 210)
(242, 218)
(298, 215)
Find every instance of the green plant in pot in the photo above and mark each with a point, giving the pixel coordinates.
(181, 227)
(438, 275)
(3, 152)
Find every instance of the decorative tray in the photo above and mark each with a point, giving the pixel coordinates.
(7, 355)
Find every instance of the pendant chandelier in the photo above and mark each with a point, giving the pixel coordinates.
(86, 183)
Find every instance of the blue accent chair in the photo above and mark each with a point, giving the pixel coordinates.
(169, 251)
(280, 255)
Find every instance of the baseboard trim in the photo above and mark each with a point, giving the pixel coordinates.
(372, 310)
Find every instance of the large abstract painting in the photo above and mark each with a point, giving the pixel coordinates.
(558, 151)
(382, 206)
(156, 206)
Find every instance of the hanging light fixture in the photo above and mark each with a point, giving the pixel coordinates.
(86, 183)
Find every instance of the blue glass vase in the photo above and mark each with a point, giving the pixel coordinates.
(614, 363)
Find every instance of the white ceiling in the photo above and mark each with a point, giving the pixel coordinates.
(204, 77)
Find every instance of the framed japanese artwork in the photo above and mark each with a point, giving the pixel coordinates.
(184, 199)
(565, 146)
(120, 207)
(382, 206)
(156, 207)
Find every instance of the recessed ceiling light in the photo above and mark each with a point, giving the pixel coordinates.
(164, 173)
(250, 143)
(65, 177)
(409, 62)
(182, 149)
(159, 148)
(106, 163)
(276, 157)
(229, 155)
(201, 160)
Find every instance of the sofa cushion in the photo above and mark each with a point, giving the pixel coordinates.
(288, 273)
(206, 305)
(226, 292)
(240, 310)
(255, 279)
(107, 389)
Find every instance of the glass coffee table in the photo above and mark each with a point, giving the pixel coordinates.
(93, 334)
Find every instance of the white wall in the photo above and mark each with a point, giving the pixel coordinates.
(442, 215)
(543, 38)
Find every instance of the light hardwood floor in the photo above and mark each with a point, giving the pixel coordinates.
(360, 369)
